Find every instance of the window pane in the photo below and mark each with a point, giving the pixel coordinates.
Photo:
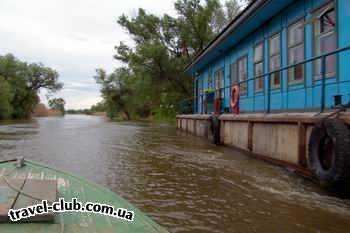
(233, 73)
(240, 66)
(296, 73)
(328, 21)
(275, 79)
(258, 52)
(242, 74)
(219, 75)
(331, 64)
(296, 54)
(259, 83)
(328, 43)
(317, 68)
(299, 72)
(296, 34)
(242, 69)
(209, 80)
(222, 78)
(259, 70)
(325, 41)
(275, 45)
(275, 62)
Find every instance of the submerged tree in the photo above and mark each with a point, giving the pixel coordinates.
(115, 91)
(57, 104)
(24, 81)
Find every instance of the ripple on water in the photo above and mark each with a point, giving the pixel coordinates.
(181, 181)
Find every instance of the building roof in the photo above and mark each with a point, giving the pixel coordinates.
(248, 20)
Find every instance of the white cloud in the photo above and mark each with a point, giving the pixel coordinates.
(74, 37)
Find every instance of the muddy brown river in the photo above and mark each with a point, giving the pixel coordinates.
(181, 181)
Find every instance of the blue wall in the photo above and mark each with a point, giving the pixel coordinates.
(306, 95)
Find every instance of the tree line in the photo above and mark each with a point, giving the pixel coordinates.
(152, 82)
(96, 108)
(20, 83)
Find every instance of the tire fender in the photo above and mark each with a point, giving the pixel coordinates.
(329, 154)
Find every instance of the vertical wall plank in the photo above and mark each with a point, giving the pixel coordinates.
(250, 135)
(302, 144)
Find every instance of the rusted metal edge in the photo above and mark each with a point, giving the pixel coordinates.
(194, 116)
(269, 118)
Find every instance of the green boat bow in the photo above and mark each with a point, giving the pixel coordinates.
(68, 187)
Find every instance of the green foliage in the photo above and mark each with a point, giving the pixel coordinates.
(209, 90)
(153, 83)
(23, 82)
(99, 107)
(116, 91)
(57, 104)
(79, 111)
(5, 99)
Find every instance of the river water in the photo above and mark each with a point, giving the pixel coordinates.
(181, 181)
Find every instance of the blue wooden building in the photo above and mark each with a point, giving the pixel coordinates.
(285, 55)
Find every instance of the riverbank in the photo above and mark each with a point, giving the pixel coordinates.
(42, 111)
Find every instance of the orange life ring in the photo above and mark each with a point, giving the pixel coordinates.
(235, 96)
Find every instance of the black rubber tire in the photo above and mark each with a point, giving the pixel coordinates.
(215, 129)
(329, 155)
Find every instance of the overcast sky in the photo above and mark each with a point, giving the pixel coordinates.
(72, 36)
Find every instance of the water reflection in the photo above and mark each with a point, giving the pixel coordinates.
(181, 181)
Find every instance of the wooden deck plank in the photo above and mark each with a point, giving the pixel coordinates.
(40, 189)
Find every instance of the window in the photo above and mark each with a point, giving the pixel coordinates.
(210, 80)
(325, 40)
(275, 60)
(234, 78)
(242, 74)
(259, 66)
(296, 52)
(219, 83)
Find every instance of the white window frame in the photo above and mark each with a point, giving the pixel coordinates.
(219, 82)
(301, 44)
(318, 35)
(233, 73)
(242, 75)
(256, 63)
(272, 56)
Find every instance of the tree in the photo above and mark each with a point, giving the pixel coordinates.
(115, 91)
(153, 82)
(57, 104)
(26, 80)
(5, 99)
(99, 107)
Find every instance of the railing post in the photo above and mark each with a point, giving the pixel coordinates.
(268, 93)
(202, 96)
(323, 85)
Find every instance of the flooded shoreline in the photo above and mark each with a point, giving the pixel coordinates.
(181, 181)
